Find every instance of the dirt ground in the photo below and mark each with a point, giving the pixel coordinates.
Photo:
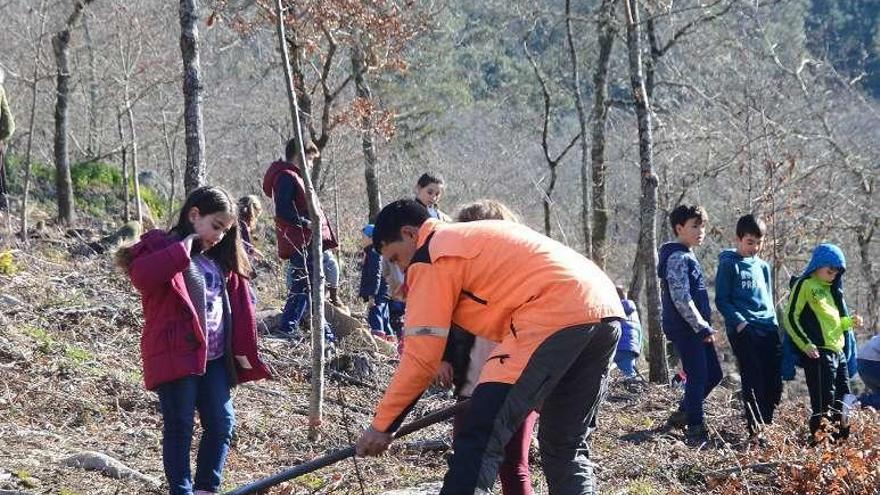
(70, 382)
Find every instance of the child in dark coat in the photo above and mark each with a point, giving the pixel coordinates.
(374, 289)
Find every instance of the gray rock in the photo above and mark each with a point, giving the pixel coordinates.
(96, 461)
(8, 301)
(424, 489)
(268, 321)
(731, 381)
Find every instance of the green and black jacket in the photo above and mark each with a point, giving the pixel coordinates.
(814, 317)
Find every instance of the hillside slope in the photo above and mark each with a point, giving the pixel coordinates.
(70, 382)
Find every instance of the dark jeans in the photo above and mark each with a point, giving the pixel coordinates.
(379, 319)
(827, 381)
(626, 363)
(759, 356)
(514, 470)
(870, 373)
(299, 274)
(700, 362)
(396, 310)
(209, 395)
(566, 376)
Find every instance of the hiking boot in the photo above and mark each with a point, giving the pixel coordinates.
(696, 435)
(678, 419)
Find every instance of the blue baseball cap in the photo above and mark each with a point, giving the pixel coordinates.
(368, 230)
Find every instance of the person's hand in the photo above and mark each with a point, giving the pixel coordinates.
(188, 241)
(857, 321)
(444, 375)
(709, 339)
(371, 301)
(742, 326)
(372, 442)
(813, 353)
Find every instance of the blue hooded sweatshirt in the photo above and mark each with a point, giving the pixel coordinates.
(683, 290)
(744, 292)
(630, 329)
(823, 255)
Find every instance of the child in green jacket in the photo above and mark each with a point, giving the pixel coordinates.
(816, 319)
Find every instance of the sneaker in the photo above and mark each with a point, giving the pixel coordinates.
(678, 419)
(696, 435)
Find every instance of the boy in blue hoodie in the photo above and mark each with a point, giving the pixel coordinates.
(687, 317)
(818, 323)
(744, 297)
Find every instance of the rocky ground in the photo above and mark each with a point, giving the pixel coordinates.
(70, 385)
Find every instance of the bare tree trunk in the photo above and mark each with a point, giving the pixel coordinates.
(363, 91)
(586, 221)
(31, 123)
(316, 402)
(864, 235)
(123, 155)
(194, 175)
(63, 181)
(607, 32)
(659, 372)
(169, 153)
(134, 156)
(92, 88)
(552, 163)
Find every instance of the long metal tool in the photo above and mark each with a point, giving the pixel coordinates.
(340, 454)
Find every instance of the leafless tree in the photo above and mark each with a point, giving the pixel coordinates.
(659, 372)
(63, 182)
(194, 173)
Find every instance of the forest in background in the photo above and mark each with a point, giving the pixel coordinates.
(766, 106)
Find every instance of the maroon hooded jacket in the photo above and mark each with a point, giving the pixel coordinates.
(173, 344)
(294, 237)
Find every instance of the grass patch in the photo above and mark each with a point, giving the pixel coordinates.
(78, 356)
(26, 479)
(641, 486)
(41, 336)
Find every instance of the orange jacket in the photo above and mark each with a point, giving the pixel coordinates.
(498, 280)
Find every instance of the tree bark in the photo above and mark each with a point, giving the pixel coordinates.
(607, 31)
(659, 372)
(169, 153)
(63, 181)
(864, 235)
(363, 91)
(38, 55)
(123, 156)
(92, 146)
(194, 175)
(586, 221)
(134, 157)
(316, 401)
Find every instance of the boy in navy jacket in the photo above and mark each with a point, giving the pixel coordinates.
(687, 317)
(744, 297)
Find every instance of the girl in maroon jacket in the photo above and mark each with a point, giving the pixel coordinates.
(199, 337)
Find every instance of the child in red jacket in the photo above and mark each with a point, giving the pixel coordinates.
(199, 337)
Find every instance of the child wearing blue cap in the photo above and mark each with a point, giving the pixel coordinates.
(374, 289)
(817, 321)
